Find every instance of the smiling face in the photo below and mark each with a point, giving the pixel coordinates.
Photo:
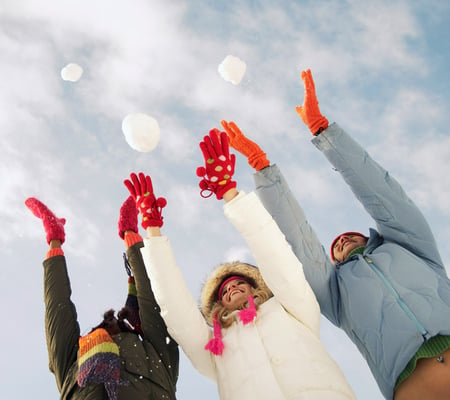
(346, 243)
(235, 293)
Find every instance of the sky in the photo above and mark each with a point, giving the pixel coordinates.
(381, 71)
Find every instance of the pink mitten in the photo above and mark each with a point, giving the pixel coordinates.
(54, 226)
(128, 220)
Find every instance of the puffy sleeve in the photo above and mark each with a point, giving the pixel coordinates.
(280, 268)
(179, 310)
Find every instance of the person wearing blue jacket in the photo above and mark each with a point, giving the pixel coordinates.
(388, 290)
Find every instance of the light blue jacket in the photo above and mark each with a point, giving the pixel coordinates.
(393, 297)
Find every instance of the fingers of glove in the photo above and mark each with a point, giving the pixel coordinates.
(303, 74)
(310, 90)
(310, 80)
(148, 185)
(232, 163)
(142, 184)
(243, 140)
(231, 132)
(136, 184)
(307, 78)
(224, 145)
(236, 130)
(206, 150)
(130, 187)
(214, 135)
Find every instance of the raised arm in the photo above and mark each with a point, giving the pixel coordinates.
(149, 319)
(397, 218)
(277, 198)
(279, 266)
(62, 328)
(178, 308)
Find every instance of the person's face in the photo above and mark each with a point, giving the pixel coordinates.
(345, 244)
(235, 293)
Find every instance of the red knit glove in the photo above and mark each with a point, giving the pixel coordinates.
(128, 220)
(219, 165)
(309, 112)
(255, 156)
(54, 226)
(150, 207)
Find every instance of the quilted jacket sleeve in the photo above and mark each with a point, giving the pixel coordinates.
(397, 217)
(276, 196)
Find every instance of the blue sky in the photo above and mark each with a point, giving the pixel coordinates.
(381, 72)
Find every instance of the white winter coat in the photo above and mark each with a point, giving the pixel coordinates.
(277, 356)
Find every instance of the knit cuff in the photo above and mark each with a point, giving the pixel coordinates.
(58, 251)
(132, 238)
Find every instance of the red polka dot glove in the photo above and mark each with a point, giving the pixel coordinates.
(219, 165)
(150, 207)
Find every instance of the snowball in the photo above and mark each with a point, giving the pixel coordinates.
(71, 72)
(232, 69)
(141, 132)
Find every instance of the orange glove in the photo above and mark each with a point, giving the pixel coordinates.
(255, 156)
(310, 112)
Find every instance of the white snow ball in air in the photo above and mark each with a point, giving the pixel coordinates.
(71, 72)
(141, 131)
(232, 69)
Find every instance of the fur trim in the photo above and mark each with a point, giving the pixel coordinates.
(211, 286)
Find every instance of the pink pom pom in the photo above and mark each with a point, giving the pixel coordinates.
(247, 315)
(215, 345)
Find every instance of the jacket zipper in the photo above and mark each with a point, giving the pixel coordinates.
(420, 328)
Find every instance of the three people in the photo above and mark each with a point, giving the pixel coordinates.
(388, 289)
(257, 334)
(128, 356)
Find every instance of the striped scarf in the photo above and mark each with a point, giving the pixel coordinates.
(99, 362)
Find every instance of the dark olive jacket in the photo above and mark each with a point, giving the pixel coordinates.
(149, 365)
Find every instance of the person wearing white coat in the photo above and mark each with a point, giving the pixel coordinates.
(276, 353)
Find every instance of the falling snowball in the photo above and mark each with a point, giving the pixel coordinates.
(141, 132)
(71, 72)
(232, 69)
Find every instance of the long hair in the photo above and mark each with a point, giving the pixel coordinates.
(226, 317)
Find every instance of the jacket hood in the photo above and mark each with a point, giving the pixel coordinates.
(210, 290)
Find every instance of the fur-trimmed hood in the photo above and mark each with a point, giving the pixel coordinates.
(210, 290)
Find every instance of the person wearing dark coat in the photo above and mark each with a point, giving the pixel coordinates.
(128, 356)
